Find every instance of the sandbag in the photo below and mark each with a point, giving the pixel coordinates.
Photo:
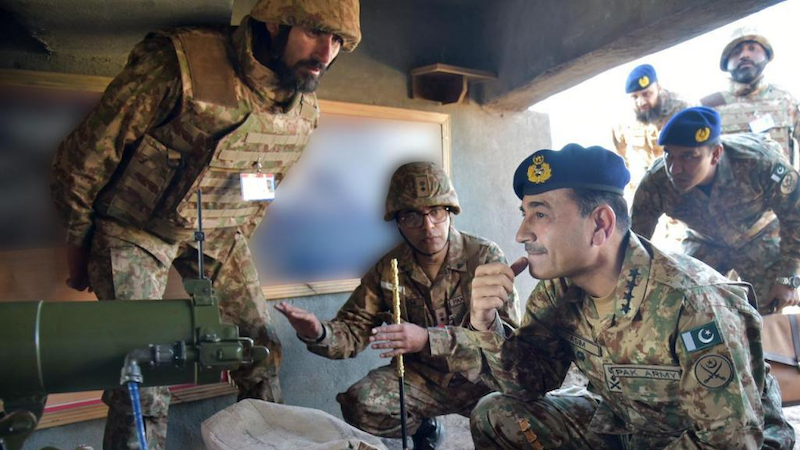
(258, 425)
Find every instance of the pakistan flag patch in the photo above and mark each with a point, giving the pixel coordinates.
(701, 337)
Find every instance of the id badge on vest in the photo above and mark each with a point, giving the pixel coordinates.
(762, 124)
(258, 186)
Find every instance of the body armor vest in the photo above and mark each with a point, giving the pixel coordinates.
(738, 112)
(224, 129)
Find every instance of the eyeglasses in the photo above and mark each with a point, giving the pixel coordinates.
(414, 219)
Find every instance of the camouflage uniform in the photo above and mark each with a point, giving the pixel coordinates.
(744, 103)
(637, 142)
(434, 386)
(678, 366)
(192, 110)
(750, 222)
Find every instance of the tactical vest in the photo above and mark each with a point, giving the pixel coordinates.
(738, 112)
(224, 129)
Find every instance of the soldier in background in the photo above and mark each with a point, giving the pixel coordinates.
(195, 108)
(671, 348)
(737, 194)
(436, 266)
(751, 104)
(636, 140)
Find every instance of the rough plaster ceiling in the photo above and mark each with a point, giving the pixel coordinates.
(100, 26)
(94, 36)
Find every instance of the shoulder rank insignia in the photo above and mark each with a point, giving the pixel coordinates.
(539, 171)
(701, 337)
(702, 134)
(644, 81)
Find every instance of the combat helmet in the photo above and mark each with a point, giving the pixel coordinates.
(340, 17)
(419, 185)
(740, 35)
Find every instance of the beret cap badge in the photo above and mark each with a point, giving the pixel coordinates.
(644, 81)
(539, 171)
(702, 134)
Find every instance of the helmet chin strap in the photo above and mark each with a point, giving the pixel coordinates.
(414, 247)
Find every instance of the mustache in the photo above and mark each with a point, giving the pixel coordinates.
(535, 249)
(312, 64)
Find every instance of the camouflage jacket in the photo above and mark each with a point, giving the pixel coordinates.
(440, 306)
(637, 142)
(752, 186)
(679, 362)
(742, 105)
(143, 101)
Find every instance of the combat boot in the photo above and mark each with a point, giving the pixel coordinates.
(429, 435)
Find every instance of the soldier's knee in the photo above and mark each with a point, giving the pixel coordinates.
(357, 405)
(482, 416)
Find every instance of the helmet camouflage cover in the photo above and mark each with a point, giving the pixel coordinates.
(419, 185)
(340, 17)
(740, 35)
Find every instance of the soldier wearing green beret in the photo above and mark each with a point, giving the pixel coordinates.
(737, 195)
(196, 108)
(752, 104)
(436, 267)
(671, 348)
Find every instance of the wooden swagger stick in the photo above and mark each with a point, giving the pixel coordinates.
(400, 368)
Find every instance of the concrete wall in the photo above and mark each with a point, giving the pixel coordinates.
(535, 59)
(486, 148)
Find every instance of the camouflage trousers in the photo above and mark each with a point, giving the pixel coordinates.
(754, 262)
(124, 271)
(561, 420)
(373, 403)
(558, 420)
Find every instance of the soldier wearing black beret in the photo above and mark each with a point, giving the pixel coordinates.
(650, 331)
(737, 194)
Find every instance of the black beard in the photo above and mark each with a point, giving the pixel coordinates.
(747, 74)
(653, 114)
(291, 79)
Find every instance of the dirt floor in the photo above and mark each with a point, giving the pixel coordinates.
(458, 437)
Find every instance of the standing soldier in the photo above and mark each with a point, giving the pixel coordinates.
(738, 196)
(636, 140)
(195, 109)
(671, 348)
(436, 264)
(751, 104)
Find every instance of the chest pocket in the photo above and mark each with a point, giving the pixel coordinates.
(417, 312)
(454, 312)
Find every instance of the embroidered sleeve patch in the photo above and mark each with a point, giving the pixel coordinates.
(778, 173)
(701, 337)
(789, 183)
(713, 371)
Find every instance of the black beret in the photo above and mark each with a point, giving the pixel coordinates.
(573, 166)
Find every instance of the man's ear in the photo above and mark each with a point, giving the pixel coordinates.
(273, 29)
(604, 221)
(716, 153)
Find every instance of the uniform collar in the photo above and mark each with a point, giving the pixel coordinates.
(260, 78)
(724, 174)
(455, 259)
(633, 278)
(631, 285)
(753, 88)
